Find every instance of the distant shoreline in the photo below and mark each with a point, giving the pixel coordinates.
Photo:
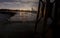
(10, 10)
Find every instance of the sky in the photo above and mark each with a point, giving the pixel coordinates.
(18, 4)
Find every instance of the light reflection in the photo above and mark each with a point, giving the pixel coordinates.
(25, 8)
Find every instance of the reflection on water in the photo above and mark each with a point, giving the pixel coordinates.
(24, 16)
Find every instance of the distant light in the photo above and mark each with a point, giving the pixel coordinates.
(25, 9)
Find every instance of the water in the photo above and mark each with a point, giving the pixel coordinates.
(17, 29)
(23, 16)
(4, 17)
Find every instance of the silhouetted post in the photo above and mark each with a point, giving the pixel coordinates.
(50, 9)
(43, 8)
(57, 4)
(37, 17)
(45, 18)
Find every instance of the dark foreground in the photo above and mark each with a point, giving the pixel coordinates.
(17, 30)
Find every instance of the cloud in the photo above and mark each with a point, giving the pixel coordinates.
(18, 0)
(10, 0)
(6, 0)
(30, 0)
(26, 4)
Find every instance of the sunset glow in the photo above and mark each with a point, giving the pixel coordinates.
(18, 4)
(25, 8)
